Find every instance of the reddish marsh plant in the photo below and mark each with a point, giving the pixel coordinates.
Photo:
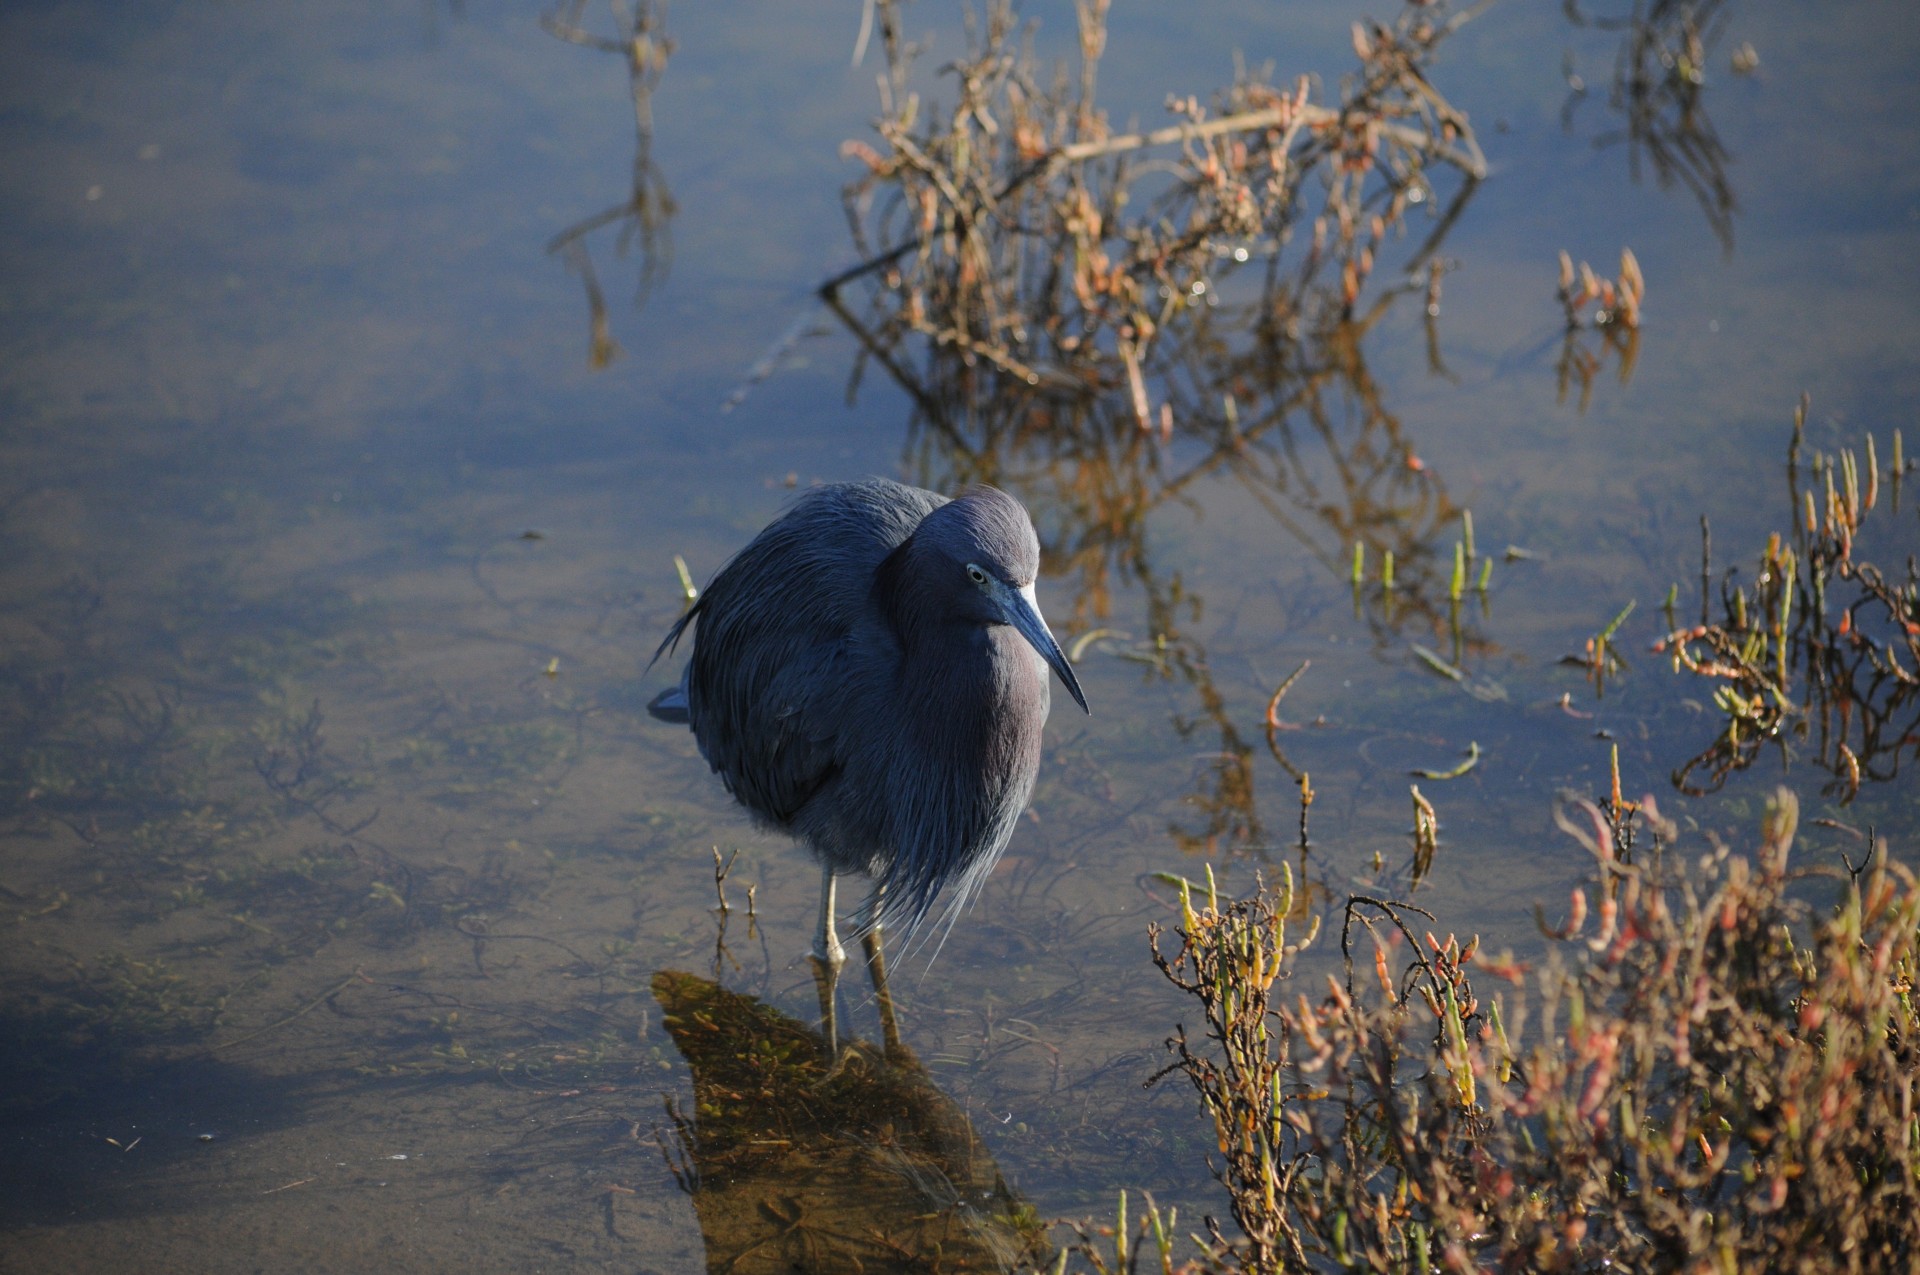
(1722, 1078)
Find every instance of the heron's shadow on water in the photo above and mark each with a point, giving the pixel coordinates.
(96, 1126)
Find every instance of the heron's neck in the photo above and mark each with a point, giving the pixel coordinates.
(968, 680)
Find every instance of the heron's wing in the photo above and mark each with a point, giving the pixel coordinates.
(784, 630)
(670, 705)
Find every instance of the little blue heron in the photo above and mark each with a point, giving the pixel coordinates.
(870, 676)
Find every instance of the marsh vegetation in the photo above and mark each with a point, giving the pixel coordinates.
(1414, 448)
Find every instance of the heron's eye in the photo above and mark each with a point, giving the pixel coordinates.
(975, 574)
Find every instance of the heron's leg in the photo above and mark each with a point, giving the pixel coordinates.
(882, 994)
(826, 945)
(828, 959)
(826, 979)
(873, 941)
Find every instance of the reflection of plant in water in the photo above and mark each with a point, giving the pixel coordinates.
(1607, 308)
(1003, 234)
(645, 217)
(1103, 363)
(1819, 613)
(1659, 90)
(1259, 386)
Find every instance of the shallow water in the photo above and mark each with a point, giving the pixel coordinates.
(339, 862)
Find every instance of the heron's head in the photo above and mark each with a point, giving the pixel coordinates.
(981, 556)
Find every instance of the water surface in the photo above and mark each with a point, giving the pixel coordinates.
(347, 884)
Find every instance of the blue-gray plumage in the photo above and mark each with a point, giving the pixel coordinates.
(870, 674)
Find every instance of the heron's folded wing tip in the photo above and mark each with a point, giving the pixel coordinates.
(670, 705)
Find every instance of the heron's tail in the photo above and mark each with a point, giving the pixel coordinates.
(670, 705)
